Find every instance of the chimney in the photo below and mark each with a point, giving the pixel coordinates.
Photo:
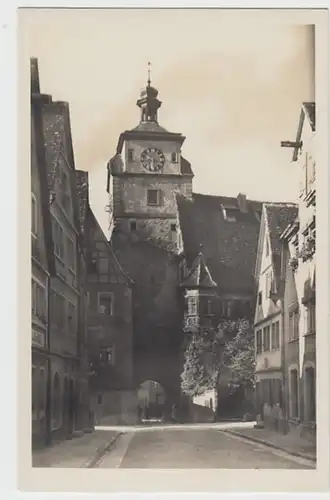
(34, 70)
(242, 203)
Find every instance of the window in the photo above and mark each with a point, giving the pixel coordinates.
(70, 253)
(259, 298)
(34, 215)
(276, 335)
(192, 305)
(106, 303)
(173, 227)
(268, 284)
(259, 341)
(38, 301)
(99, 399)
(209, 306)
(174, 158)
(107, 355)
(229, 214)
(130, 154)
(153, 197)
(133, 225)
(58, 237)
(311, 318)
(267, 247)
(267, 338)
(293, 325)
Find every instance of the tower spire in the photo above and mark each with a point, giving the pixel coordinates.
(148, 102)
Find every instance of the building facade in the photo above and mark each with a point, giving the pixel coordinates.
(42, 266)
(67, 335)
(109, 322)
(300, 286)
(268, 319)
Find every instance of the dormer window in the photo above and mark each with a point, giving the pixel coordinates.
(228, 215)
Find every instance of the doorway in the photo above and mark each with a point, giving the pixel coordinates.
(151, 397)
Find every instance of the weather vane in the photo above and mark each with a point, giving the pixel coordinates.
(149, 68)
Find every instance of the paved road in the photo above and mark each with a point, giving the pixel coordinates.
(194, 448)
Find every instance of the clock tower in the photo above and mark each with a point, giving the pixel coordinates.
(144, 176)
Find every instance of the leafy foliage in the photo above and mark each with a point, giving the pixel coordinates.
(229, 346)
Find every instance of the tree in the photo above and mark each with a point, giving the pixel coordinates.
(228, 347)
(239, 355)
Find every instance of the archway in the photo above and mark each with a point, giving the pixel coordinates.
(152, 400)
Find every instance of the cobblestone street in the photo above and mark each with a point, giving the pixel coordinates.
(198, 447)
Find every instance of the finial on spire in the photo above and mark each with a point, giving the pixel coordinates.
(149, 68)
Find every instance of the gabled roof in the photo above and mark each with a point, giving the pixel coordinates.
(83, 197)
(309, 108)
(58, 145)
(36, 112)
(307, 111)
(82, 189)
(199, 276)
(278, 216)
(229, 248)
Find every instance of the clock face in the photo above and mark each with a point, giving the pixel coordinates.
(152, 159)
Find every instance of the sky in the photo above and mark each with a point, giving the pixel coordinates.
(232, 85)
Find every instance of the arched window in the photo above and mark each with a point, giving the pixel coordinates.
(57, 403)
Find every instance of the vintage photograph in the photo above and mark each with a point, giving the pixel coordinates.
(173, 240)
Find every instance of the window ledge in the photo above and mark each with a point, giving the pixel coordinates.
(310, 333)
(290, 341)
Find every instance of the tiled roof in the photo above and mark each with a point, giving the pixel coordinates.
(186, 167)
(309, 108)
(279, 216)
(83, 196)
(36, 114)
(82, 189)
(53, 127)
(149, 127)
(229, 248)
(199, 276)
